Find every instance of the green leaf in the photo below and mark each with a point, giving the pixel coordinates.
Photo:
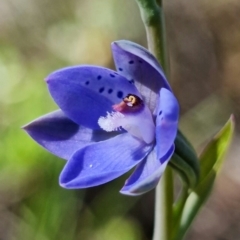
(186, 152)
(211, 161)
(212, 156)
(193, 203)
(185, 171)
(185, 161)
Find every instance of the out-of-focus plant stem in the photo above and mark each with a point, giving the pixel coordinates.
(177, 212)
(153, 18)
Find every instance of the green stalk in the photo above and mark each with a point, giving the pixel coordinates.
(153, 19)
(177, 212)
(163, 207)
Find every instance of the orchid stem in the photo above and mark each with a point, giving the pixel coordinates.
(163, 207)
(177, 213)
(153, 18)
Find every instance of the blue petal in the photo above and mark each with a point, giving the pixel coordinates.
(61, 136)
(147, 174)
(84, 93)
(102, 162)
(137, 64)
(166, 122)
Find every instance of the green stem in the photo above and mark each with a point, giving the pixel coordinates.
(163, 207)
(153, 19)
(177, 212)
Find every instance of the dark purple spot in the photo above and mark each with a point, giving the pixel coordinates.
(99, 77)
(131, 62)
(101, 89)
(162, 160)
(110, 90)
(111, 75)
(161, 118)
(120, 69)
(140, 61)
(119, 94)
(87, 82)
(160, 112)
(131, 81)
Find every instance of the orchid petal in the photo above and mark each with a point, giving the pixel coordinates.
(137, 64)
(85, 93)
(147, 174)
(102, 162)
(166, 122)
(61, 136)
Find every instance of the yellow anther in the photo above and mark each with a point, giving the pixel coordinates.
(134, 100)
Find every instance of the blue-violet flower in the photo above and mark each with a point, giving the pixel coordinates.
(110, 121)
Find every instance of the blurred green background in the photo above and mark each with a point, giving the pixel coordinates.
(39, 36)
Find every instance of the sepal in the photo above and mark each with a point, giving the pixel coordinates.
(185, 161)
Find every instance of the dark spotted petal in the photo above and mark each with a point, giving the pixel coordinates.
(60, 135)
(137, 64)
(166, 122)
(85, 93)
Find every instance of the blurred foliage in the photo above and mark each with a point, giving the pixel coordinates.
(37, 37)
(40, 36)
(211, 161)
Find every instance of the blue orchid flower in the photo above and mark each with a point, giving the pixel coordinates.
(111, 121)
